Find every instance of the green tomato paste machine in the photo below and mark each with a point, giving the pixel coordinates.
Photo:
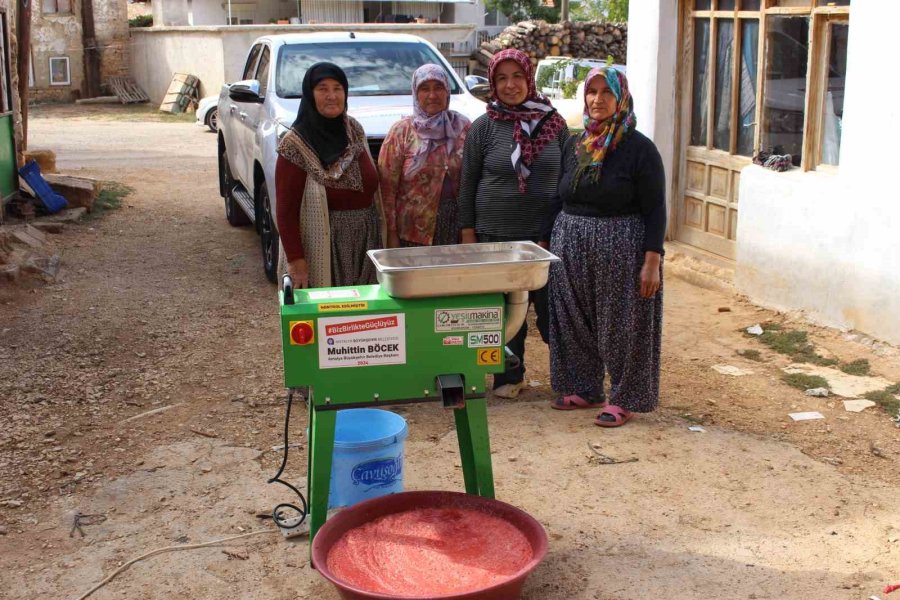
(436, 324)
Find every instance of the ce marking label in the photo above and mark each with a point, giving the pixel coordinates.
(488, 356)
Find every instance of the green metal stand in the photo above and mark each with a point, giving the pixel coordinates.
(321, 449)
(474, 452)
(475, 448)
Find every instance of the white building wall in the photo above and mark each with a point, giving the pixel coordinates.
(823, 243)
(199, 13)
(466, 12)
(828, 244)
(155, 58)
(217, 54)
(651, 62)
(208, 13)
(428, 10)
(168, 13)
(328, 11)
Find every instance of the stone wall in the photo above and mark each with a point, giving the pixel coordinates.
(56, 35)
(61, 35)
(538, 39)
(111, 29)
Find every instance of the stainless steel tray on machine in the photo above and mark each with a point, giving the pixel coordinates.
(462, 269)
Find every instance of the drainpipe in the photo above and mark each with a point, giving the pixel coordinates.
(23, 32)
(91, 85)
(229, 13)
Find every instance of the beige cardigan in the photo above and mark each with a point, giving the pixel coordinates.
(315, 228)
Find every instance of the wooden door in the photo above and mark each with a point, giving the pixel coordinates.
(718, 116)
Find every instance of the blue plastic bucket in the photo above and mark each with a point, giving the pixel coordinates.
(368, 456)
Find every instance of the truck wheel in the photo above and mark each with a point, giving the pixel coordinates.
(233, 212)
(268, 234)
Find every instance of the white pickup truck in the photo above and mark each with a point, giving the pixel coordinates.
(255, 112)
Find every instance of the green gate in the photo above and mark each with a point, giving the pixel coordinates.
(9, 175)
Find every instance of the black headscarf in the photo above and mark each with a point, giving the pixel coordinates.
(327, 137)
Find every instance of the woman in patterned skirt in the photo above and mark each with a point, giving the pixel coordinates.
(326, 187)
(511, 168)
(606, 292)
(419, 164)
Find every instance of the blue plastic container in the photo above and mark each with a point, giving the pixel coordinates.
(52, 201)
(368, 456)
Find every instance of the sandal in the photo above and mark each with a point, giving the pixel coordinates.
(619, 415)
(575, 401)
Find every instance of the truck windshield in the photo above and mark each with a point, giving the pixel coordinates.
(373, 68)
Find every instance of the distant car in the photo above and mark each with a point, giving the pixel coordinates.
(256, 112)
(571, 109)
(208, 113)
(479, 86)
(564, 70)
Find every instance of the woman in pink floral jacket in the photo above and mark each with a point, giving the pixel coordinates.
(419, 165)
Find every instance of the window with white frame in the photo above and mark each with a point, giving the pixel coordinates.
(769, 75)
(59, 71)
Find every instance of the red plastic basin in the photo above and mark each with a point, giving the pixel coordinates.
(364, 512)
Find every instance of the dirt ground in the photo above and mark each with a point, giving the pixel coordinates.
(162, 305)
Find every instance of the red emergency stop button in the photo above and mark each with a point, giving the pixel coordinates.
(302, 333)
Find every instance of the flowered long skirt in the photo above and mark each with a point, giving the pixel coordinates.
(353, 232)
(598, 320)
(446, 231)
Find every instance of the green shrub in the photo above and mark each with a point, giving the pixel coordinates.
(857, 367)
(793, 343)
(802, 381)
(885, 399)
(141, 21)
(750, 355)
(109, 198)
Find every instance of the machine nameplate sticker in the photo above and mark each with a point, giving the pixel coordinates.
(362, 341)
(454, 340)
(332, 294)
(342, 306)
(483, 339)
(489, 356)
(468, 319)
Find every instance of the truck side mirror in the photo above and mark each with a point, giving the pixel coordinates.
(245, 91)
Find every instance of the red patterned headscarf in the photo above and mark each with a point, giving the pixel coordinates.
(536, 121)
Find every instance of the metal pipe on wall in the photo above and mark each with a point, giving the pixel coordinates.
(23, 32)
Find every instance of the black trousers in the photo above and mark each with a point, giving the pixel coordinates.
(516, 344)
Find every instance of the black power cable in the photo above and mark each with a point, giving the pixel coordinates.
(276, 512)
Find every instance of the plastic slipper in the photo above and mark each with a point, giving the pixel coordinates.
(620, 415)
(574, 402)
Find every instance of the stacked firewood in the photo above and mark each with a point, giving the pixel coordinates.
(538, 39)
